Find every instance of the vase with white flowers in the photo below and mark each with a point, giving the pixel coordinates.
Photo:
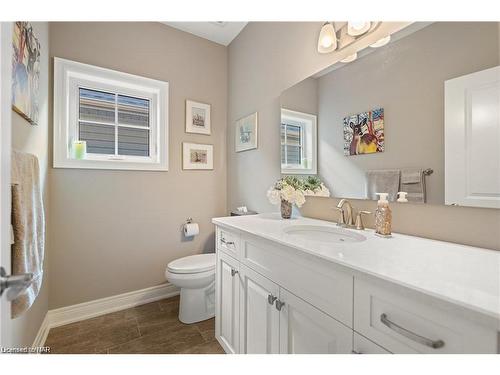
(291, 190)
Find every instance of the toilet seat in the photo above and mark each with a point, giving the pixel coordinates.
(192, 264)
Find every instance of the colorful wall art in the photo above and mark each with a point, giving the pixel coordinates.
(25, 71)
(364, 133)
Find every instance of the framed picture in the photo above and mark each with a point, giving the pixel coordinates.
(364, 133)
(246, 133)
(25, 71)
(197, 156)
(197, 118)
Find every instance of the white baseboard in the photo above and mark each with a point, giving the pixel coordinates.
(42, 334)
(91, 309)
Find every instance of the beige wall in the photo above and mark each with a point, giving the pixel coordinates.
(264, 60)
(117, 230)
(302, 97)
(34, 139)
(406, 78)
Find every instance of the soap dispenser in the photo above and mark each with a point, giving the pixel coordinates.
(402, 197)
(383, 216)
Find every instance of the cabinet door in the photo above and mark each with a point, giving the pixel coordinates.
(306, 330)
(259, 319)
(227, 303)
(364, 346)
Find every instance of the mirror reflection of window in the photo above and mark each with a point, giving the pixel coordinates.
(298, 142)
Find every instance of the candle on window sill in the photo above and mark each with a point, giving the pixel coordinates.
(79, 150)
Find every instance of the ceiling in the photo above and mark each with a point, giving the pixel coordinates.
(218, 32)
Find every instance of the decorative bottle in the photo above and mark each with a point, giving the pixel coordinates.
(383, 216)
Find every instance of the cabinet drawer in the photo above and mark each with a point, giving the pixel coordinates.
(364, 346)
(228, 242)
(405, 321)
(323, 285)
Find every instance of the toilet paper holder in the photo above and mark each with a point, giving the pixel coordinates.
(190, 228)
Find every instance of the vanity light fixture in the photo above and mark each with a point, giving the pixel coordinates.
(357, 28)
(327, 40)
(350, 58)
(381, 42)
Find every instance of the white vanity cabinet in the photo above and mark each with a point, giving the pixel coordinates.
(270, 318)
(279, 297)
(227, 305)
(407, 322)
(306, 330)
(259, 319)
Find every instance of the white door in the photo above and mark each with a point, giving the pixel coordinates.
(227, 284)
(306, 330)
(5, 144)
(472, 139)
(259, 319)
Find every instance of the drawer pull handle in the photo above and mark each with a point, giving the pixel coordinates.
(271, 299)
(435, 344)
(223, 240)
(233, 272)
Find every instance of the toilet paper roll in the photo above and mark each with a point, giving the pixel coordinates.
(191, 229)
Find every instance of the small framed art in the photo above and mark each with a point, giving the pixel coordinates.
(246, 133)
(197, 156)
(198, 118)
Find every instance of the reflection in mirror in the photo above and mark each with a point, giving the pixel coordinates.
(382, 119)
(298, 142)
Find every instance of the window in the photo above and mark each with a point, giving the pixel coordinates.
(298, 143)
(121, 117)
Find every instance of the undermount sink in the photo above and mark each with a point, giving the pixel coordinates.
(323, 234)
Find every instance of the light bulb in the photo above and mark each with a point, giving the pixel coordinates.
(381, 42)
(350, 58)
(357, 28)
(327, 40)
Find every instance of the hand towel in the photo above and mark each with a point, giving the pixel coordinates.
(413, 182)
(382, 181)
(28, 221)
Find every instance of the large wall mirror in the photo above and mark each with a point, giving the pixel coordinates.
(420, 114)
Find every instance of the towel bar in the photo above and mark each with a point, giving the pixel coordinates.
(428, 171)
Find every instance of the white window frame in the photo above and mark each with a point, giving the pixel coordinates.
(69, 76)
(308, 143)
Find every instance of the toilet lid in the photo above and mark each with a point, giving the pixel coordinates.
(193, 264)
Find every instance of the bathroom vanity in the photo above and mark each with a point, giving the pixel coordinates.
(308, 286)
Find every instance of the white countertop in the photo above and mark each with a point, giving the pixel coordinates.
(463, 275)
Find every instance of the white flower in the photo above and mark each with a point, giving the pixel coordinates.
(288, 193)
(309, 192)
(274, 196)
(323, 191)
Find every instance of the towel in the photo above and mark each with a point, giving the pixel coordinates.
(382, 181)
(413, 182)
(28, 223)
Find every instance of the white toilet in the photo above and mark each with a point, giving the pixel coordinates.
(195, 275)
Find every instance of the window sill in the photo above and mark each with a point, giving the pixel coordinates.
(299, 170)
(110, 165)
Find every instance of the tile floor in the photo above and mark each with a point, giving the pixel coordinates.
(150, 328)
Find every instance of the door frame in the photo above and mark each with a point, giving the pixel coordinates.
(5, 151)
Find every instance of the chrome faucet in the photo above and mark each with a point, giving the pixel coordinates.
(345, 220)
